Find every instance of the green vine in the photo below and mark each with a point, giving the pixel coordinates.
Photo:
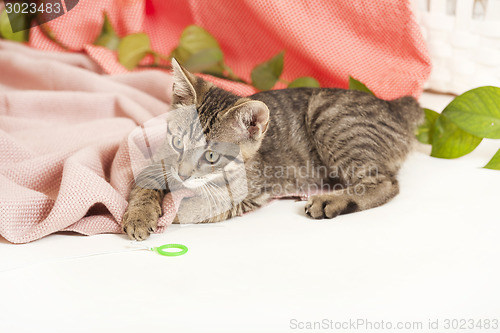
(199, 52)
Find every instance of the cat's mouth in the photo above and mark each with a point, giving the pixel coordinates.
(193, 182)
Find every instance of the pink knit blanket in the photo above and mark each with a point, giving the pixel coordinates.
(64, 163)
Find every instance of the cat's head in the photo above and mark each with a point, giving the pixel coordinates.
(224, 116)
(210, 135)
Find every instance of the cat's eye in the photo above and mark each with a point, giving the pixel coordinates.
(211, 156)
(177, 143)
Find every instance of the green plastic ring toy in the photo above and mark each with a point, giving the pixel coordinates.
(160, 250)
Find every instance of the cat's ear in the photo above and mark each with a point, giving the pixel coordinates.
(248, 120)
(183, 88)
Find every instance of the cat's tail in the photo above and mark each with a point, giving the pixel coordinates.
(409, 109)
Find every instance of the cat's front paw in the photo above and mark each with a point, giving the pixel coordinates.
(327, 206)
(139, 222)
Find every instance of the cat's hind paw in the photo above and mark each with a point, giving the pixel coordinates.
(327, 206)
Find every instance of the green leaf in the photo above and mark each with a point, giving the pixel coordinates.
(477, 111)
(132, 49)
(205, 60)
(357, 85)
(425, 131)
(180, 54)
(449, 141)
(305, 81)
(193, 40)
(19, 20)
(494, 163)
(199, 51)
(265, 75)
(108, 37)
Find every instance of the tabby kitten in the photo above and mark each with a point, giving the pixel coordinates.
(342, 147)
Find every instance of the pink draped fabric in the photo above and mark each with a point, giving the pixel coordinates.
(64, 162)
(377, 42)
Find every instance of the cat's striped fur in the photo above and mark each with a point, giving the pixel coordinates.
(356, 139)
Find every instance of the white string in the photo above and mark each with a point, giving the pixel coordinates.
(132, 246)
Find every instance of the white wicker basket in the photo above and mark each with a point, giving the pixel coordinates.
(463, 38)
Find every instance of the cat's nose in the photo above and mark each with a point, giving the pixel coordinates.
(183, 177)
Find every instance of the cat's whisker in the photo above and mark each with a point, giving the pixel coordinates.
(218, 196)
(218, 193)
(151, 174)
(211, 198)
